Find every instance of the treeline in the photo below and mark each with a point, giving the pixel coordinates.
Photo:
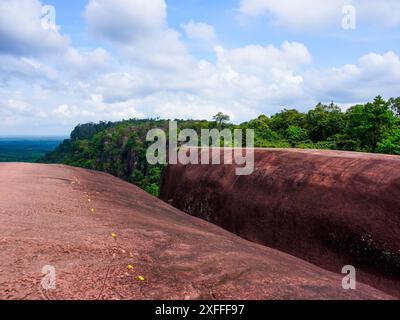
(120, 148)
(370, 127)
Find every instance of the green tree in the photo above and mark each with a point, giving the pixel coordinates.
(89, 130)
(367, 123)
(395, 105)
(324, 122)
(220, 119)
(296, 135)
(281, 121)
(262, 131)
(120, 147)
(391, 143)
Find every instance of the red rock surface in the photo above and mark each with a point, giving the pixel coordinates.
(46, 219)
(329, 208)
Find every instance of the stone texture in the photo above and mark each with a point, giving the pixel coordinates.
(329, 208)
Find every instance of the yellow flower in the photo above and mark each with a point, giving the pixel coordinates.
(113, 234)
(141, 278)
(93, 210)
(130, 266)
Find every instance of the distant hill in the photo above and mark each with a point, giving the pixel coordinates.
(117, 148)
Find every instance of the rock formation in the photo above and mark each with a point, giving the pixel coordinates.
(329, 208)
(103, 238)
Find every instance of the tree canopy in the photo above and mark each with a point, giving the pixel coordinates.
(120, 148)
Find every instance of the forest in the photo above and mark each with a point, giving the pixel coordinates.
(119, 148)
(26, 149)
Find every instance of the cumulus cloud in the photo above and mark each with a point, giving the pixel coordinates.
(241, 80)
(258, 59)
(138, 29)
(374, 73)
(170, 77)
(34, 52)
(256, 76)
(153, 73)
(22, 33)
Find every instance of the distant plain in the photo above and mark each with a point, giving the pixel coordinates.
(26, 149)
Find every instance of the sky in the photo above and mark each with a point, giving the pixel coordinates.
(110, 60)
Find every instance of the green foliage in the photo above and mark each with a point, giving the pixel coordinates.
(294, 135)
(273, 144)
(263, 134)
(120, 148)
(117, 148)
(390, 144)
(322, 145)
(88, 130)
(283, 120)
(324, 122)
(344, 142)
(369, 122)
(26, 149)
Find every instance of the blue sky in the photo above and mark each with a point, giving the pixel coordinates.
(115, 59)
(333, 47)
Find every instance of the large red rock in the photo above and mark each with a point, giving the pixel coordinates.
(329, 208)
(46, 219)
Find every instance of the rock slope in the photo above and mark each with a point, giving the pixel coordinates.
(107, 239)
(330, 208)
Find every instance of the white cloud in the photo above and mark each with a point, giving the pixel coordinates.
(138, 29)
(18, 111)
(313, 15)
(121, 110)
(153, 72)
(373, 74)
(241, 81)
(26, 69)
(21, 31)
(304, 14)
(200, 31)
(257, 59)
(257, 76)
(30, 52)
(125, 20)
(163, 50)
(87, 61)
(66, 111)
